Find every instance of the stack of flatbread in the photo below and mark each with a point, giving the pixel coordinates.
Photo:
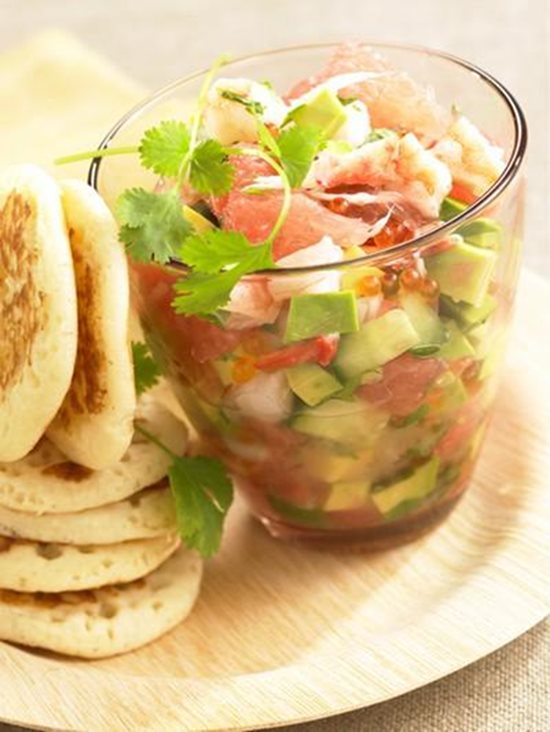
(90, 562)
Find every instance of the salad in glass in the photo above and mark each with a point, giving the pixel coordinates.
(325, 271)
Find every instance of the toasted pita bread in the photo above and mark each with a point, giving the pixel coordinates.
(108, 621)
(45, 482)
(94, 425)
(145, 515)
(38, 316)
(27, 566)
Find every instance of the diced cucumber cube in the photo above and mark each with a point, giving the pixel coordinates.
(379, 341)
(469, 316)
(312, 383)
(424, 319)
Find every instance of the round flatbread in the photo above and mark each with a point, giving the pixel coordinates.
(27, 566)
(94, 425)
(45, 482)
(105, 622)
(144, 515)
(38, 316)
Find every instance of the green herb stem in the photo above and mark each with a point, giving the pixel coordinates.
(91, 154)
(155, 440)
(287, 191)
(197, 116)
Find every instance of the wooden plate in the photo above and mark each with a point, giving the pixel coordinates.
(282, 635)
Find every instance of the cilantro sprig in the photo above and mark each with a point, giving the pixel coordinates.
(146, 371)
(153, 225)
(201, 489)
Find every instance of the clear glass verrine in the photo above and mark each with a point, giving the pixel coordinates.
(377, 446)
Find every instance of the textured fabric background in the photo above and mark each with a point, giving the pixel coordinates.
(158, 40)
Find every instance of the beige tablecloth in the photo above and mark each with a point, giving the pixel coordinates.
(47, 89)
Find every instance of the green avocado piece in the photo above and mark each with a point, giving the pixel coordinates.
(424, 319)
(379, 341)
(451, 207)
(321, 314)
(483, 232)
(456, 345)
(312, 383)
(468, 316)
(349, 423)
(325, 111)
(418, 485)
(463, 272)
(347, 495)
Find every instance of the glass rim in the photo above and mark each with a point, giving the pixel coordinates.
(411, 245)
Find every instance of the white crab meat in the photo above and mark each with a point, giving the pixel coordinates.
(357, 125)
(251, 304)
(229, 121)
(325, 251)
(266, 397)
(401, 165)
(421, 177)
(473, 161)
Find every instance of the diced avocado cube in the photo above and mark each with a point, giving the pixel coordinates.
(321, 314)
(483, 232)
(469, 316)
(348, 423)
(347, 495)
(463, 271)
(322, 461)
(379, 341)
(424, 319)
(418, 485)
(450, 208)
(457, 345)
(199, 222)
(325, 111)
(312, 383)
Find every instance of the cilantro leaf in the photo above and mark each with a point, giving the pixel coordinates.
(152, 225)
(202, 494)
(208, 286)
(215, 250)
(210, 173)
(251, 105)
(164, 147)
(203, 294)
(299, 146)
(146, 371)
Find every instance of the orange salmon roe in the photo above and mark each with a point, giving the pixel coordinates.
(368, 286)
(429, 288)
(410, 279)
(390, 283)
(394, 232)
(243, 369)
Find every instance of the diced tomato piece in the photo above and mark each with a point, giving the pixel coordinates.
(455, 440)
(319, 350)
(461, 193)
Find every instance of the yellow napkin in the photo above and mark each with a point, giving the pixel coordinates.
(58, 97)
